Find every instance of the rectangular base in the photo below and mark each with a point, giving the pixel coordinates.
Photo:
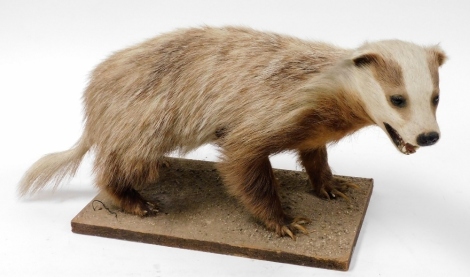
(195, 212)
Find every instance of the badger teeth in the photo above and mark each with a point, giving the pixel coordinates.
(403, 150)
(404, 147)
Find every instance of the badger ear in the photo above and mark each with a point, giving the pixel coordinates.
(366, 59)
(438, 54)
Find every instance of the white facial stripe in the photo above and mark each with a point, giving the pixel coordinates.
(419, 85)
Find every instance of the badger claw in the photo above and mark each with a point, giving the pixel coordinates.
(336, 188)
(151, 208)
(294, 226)
(286, 231)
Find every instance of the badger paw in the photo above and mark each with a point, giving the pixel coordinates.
(290, 229)
(151, 209)
(337, 187)
(133, 203)
(141, 209)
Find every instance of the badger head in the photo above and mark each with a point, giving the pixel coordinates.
(398, 83)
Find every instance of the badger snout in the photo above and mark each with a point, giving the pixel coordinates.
(427, 139)
(423, 139)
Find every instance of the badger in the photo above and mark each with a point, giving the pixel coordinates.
(252, 94)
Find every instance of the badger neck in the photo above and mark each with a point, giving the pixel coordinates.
(334, 110)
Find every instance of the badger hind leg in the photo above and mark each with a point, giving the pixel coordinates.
(252, 182)
(325, 185)
(120, 180)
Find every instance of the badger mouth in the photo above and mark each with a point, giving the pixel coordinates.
(404, 147)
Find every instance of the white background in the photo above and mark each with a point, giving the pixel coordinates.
(417, 223)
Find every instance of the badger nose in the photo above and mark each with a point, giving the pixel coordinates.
(426, 139)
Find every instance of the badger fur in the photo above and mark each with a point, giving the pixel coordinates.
(252, 94)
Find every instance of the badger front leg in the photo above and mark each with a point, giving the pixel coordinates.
(253, 183)
(324, 184)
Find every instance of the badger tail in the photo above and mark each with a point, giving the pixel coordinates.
(53, 168)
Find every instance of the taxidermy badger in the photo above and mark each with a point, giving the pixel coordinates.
(252, 94)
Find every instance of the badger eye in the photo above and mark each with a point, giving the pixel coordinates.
(398, 101)
(435, 100)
